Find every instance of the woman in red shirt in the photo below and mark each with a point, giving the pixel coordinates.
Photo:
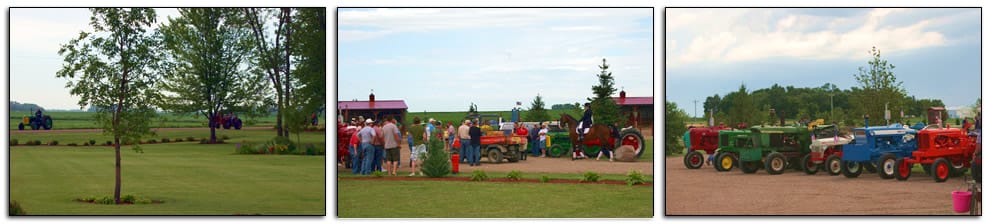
(521, 131)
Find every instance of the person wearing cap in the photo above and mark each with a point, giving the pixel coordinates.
(542, 140)
(366, 136)
(464, 143)
(430, 129)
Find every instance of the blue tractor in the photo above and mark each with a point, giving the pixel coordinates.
(877, 149)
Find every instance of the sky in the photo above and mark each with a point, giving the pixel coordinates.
(442, 59)
(937, 52)
(36, 34)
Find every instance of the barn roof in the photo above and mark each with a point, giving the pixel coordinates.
(634, 100)
(376, 105)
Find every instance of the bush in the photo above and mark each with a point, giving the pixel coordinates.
(152, 141)
(478, 175)
(545, 179)
(377, 174)
(37, 142)
(190, 138)
(224, 137)
(514, 175)
(245, 148)
(85, 144)
(128, 198)
(109, 143)
(13, 142)
(53, 142)
(589, 177)
(436, 162)
(165, 140)
(634, 177)
(179, 140)
(106, 200)
(15, 209)
(92, 141)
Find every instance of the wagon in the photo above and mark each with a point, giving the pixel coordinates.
(499, 147)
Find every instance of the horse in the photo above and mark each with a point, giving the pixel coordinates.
(599, 133)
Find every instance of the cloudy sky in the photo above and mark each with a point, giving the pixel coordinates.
(36, 34)
(937, 52)
(443, 59)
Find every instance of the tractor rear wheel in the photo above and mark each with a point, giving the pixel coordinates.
(941, 169)
(727, 161)
(237, 123)
(632, 138)
(887, 162)
(46, 122)
(557, 151)
(693, 160)
(495, 154)
(833, 165)
(808, 166)
(750, 167)
(852, 169)
(902, 169)
(775, 163)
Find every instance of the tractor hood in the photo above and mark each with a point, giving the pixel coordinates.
(822, 143)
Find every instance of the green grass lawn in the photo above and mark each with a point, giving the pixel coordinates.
(255, 136)
(85, 120)
(192, 179)
(443, 199)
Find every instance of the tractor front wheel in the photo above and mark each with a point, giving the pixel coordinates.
(833, 165)
(852, 169)
(726, 161)
(887, 162)
(693, 160)
(902, 169)
(775, 163)
(941, 168)
(808, 166)
(20, 126)
(557, 151)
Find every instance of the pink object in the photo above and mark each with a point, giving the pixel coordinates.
(960, 201)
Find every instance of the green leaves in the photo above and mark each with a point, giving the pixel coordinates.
(537, 111)
(604, 110)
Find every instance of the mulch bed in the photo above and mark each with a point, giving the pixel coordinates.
(500, 180)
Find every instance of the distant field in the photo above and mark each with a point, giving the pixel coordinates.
(84, 120)
(457, 117)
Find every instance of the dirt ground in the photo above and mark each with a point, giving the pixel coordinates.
(707, 192)
(543, 165)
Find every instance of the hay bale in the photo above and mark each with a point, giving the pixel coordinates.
(625, 154)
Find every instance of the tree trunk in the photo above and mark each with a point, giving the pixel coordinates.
(287, 68)
(116, 189)
(212, 128)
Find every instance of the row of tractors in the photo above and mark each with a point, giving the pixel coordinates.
(890, 151)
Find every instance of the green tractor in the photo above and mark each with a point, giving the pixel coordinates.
(775, 148)
(38, 121)
(730, 144)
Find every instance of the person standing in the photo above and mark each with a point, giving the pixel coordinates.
(418, 136)
(464, 144)
(392, 143)
(355, 158)
(533, 138)
(450, 132)
(430, 131)
(522, 131)
(542, 141)
(366, 136)
(378, 152)
(474, 134)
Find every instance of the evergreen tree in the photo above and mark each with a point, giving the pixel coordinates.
(436, 163)
(604, 110)
(537, 111)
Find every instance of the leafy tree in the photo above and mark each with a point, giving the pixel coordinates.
(604, 110)
(578, 106)
(115, 65)
(308, 37)
(273, 59)
(878, 86)
(209, 70)
(674, 128)
(742, 108)
(16, 106)
(537, 111)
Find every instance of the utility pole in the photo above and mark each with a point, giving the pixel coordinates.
(695, 108)
(831, 107)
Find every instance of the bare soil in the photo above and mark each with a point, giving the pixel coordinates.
(707, 192)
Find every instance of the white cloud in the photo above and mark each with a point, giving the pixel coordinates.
(726, 35)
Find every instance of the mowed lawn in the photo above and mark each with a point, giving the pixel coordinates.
(191, 178)
(453, 199)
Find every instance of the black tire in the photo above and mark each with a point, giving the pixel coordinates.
(886, 169)
(902, 171)
(35, 125)
(958, 170)
(775, 163)
(869, 166)
(750, 167)
(557, 151)
(495, 154)
(795, 163)
(809, 167)
(20, 126)
(693, 160)
(730, 158)
(46, 122)
(632, 135)
(514, 154)
(715, 162)
(942, 168)
(852, 169)
(833, 165)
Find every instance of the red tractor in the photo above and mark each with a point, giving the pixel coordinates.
(342, 150)
(948, 151)
(702, 140)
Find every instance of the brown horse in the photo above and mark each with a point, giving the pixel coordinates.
(598, 132)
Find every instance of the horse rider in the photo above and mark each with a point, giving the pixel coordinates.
(585, 123)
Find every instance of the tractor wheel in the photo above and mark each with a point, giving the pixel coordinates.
(46, 122)
(869, 167)
(715, 162)
(902, 169)
(727, 161)
(958, 170)
(35, 124)
(513, 155)
(775, 163)
(557, 151)
(750, 167)
(852, 169)
(693, 160)
(941, 169)
(633, 138)
(809, 167)
(887, 162)
(495, 154)
(20, 126)
(833, 165)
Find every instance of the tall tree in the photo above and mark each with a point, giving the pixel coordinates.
(308, 42)
(114, 66)
(743, 108)
(537, 111)
(209, 69)
(271, 58)
(674, 127)
(879, 86)
(604, 110)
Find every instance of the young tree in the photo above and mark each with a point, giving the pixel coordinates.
(209, 70)
(115, 67)
(537, 111)
(604, 110)
(879, 86)
(674, 127)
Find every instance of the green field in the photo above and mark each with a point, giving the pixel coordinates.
(257, 136)
(192, 179)
(458, 117)
(441, 199)
(85, 120)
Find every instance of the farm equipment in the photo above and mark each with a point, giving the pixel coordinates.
(38, 121)
(775, 148)
(730, 143)
(344, 134)
(826, 149)
(702, 140)
(876, 149)
(499, 147)
(226, 121)
(948, 151)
